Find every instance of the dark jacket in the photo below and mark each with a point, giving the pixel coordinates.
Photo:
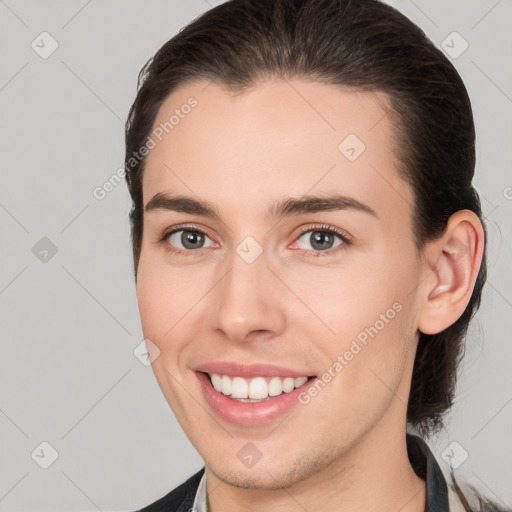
(422, 460)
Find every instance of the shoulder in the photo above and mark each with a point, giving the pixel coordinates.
(179, 499)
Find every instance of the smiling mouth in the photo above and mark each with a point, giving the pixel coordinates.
(255, 389)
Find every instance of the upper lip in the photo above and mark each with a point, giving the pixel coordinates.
(249, 370)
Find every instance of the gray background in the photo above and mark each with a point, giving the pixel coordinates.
(69, 321)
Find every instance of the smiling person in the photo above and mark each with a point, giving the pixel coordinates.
(306, 264)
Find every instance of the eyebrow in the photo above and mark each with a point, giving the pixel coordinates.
(285, 208)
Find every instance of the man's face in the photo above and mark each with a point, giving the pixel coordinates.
(256, 288)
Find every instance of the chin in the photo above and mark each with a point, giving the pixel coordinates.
(257, 479)
(267, 474)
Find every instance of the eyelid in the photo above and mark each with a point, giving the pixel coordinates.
(326, 227)
(180, 227)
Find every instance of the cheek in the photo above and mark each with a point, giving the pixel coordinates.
(162, 305)
(164, 292)
(164, 322)
(344, 301)
(172, 306)
(365, 319)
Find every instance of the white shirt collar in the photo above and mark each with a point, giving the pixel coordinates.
(200, 504)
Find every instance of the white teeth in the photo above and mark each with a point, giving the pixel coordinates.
(239, 388)
(299, 381)
(288, 384)
(226, 385)
(256, 388)
(275, 386)
(216, 381)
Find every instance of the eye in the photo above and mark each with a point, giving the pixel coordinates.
(321, 239)
(184, 240)
(187, 240)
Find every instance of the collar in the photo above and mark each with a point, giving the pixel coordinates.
(422, 460)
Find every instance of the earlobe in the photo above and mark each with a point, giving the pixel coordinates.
(457, 257)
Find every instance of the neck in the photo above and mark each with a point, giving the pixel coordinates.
(375, 474)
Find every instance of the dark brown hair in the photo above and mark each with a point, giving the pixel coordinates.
(361, 44)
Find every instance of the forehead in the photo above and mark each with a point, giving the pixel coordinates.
(277, 139)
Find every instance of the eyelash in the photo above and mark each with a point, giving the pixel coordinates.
(324, 228)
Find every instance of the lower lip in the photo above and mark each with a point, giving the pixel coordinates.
(249, 414)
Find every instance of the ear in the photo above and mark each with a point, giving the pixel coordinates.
(452, 265)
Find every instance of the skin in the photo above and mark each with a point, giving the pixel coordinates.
(345, 450)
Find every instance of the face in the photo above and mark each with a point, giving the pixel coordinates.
(265, 280)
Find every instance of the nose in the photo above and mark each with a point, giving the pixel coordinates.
(249, 301)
